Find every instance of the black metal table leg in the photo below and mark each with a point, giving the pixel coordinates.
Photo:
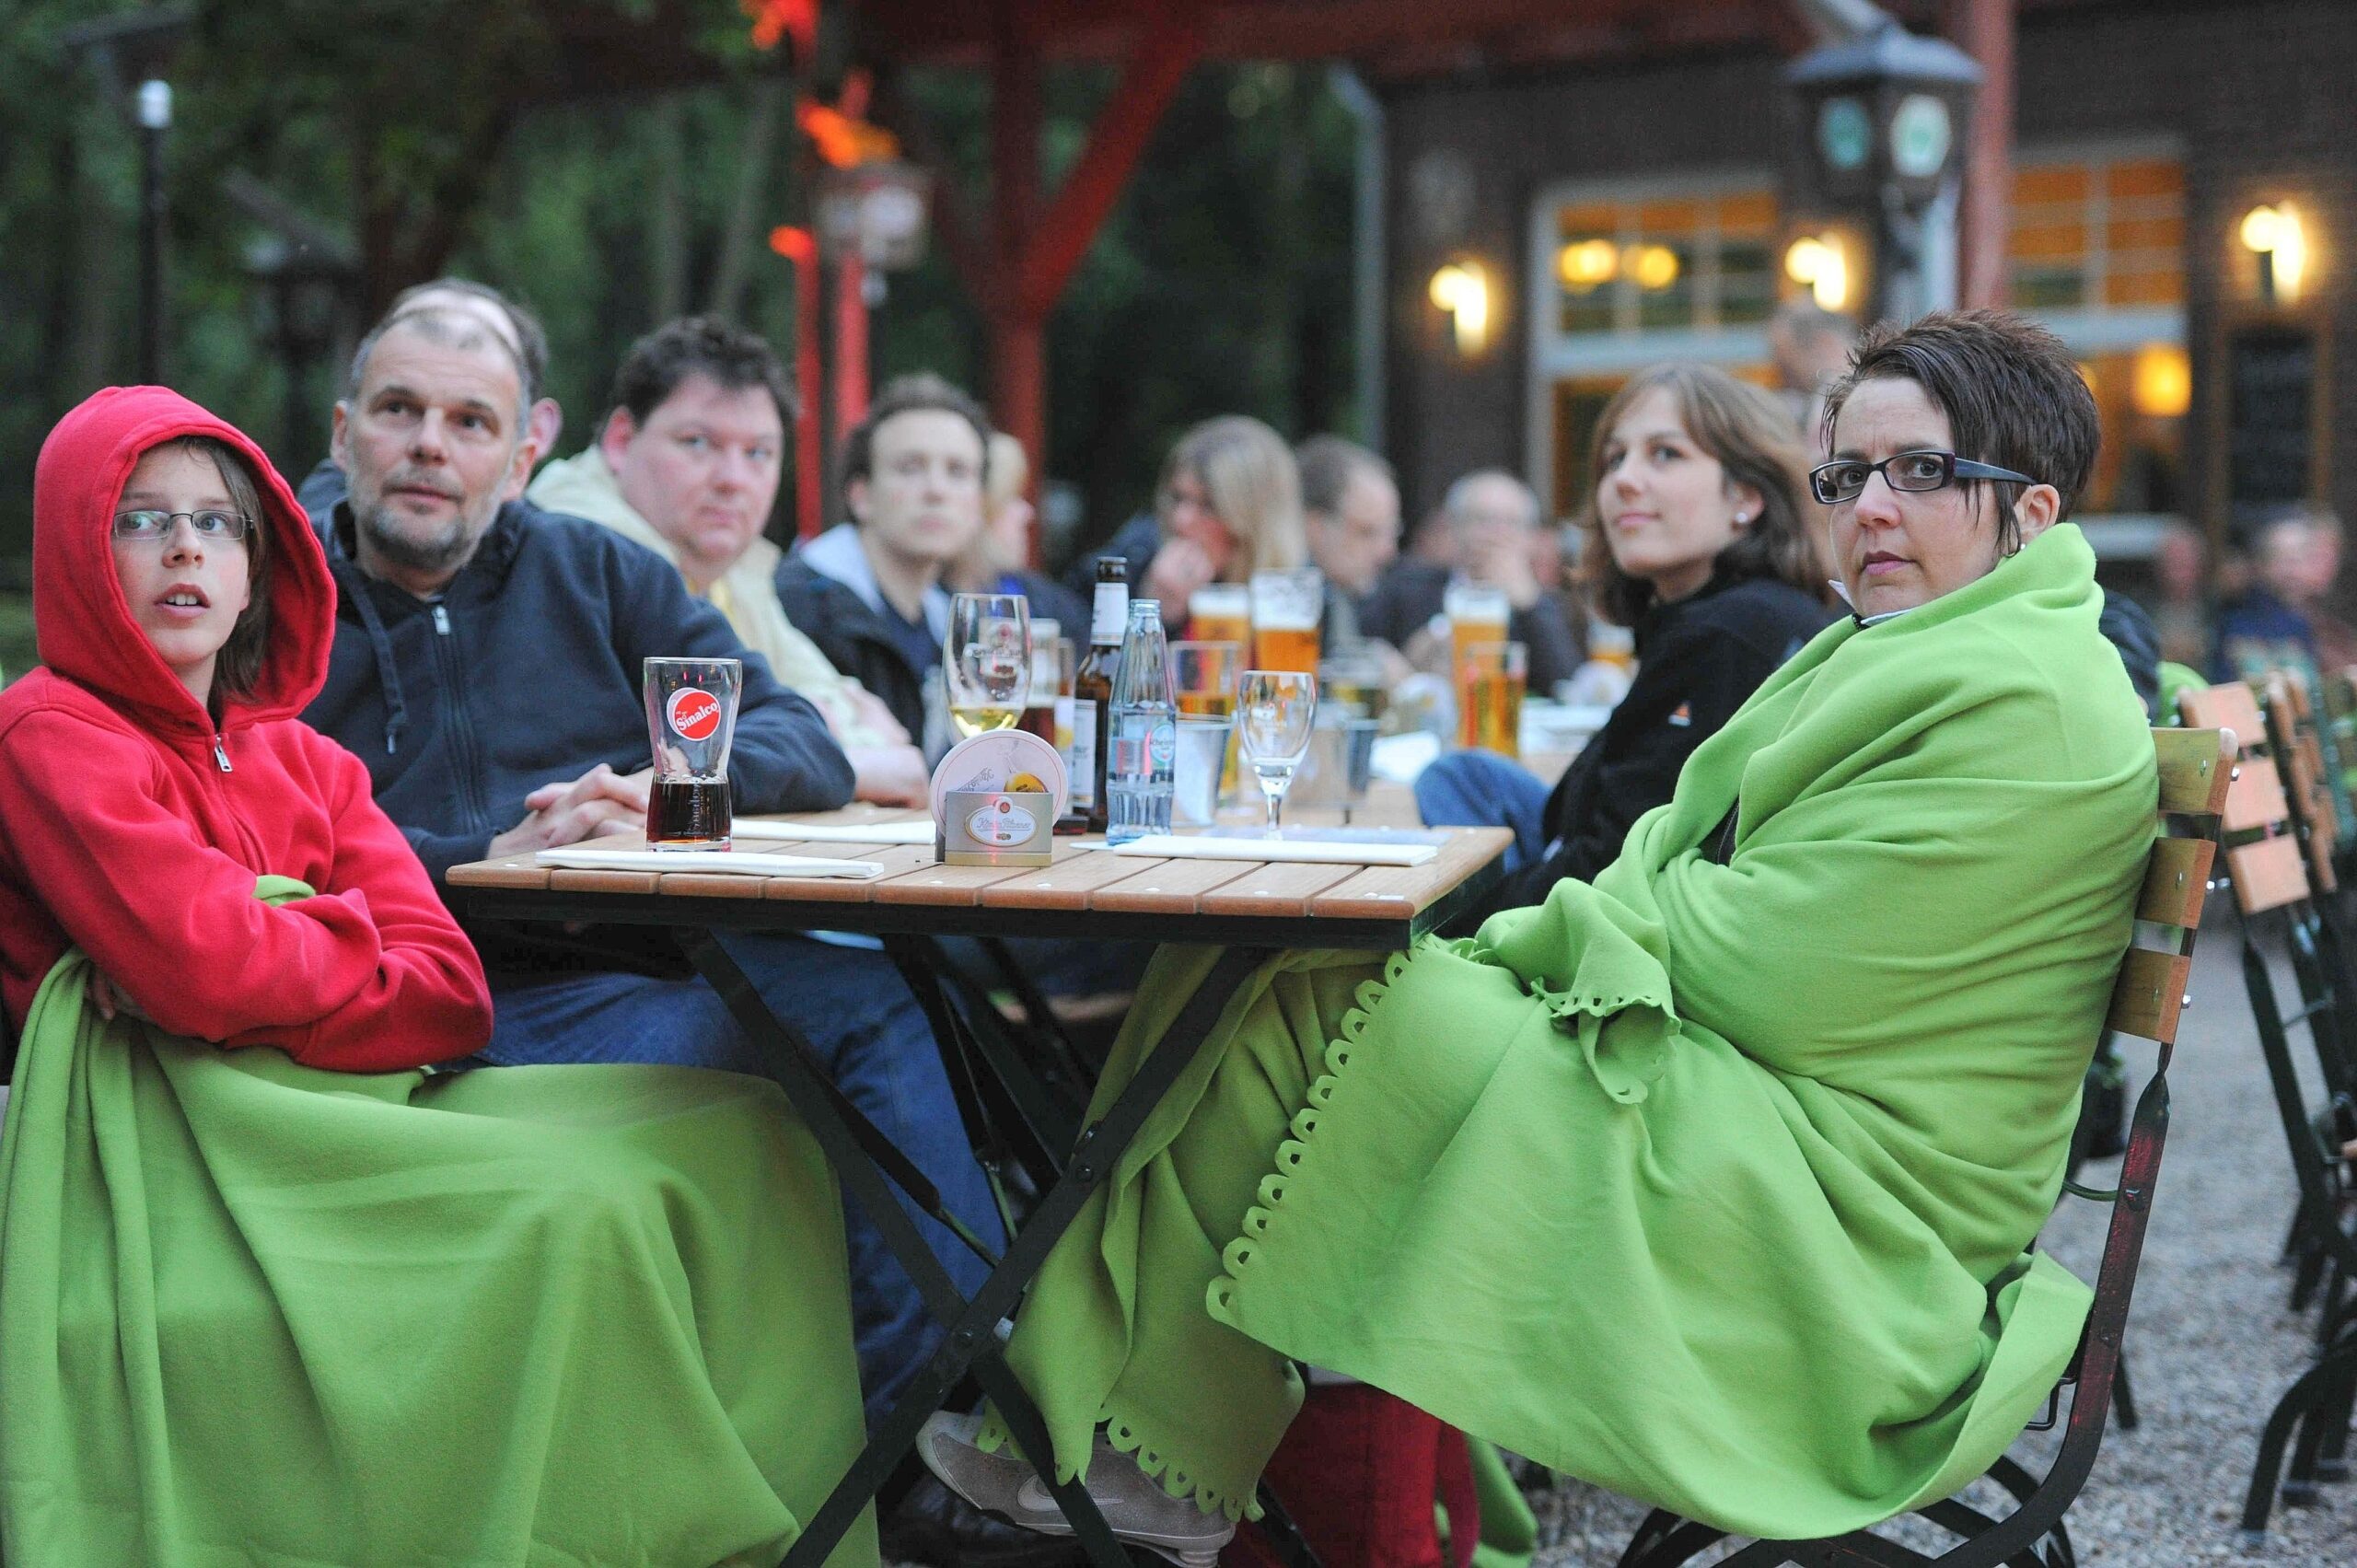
(846, 1136)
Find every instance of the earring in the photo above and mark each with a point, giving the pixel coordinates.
(1741, 518)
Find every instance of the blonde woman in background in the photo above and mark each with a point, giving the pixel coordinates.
(1228, 504)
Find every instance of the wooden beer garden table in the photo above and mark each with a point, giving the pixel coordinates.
(1253, 909)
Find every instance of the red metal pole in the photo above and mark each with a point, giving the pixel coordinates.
(851, 343)
(1984, 29)
(799, 247)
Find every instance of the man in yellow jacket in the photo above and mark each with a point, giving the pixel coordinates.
(687, 464)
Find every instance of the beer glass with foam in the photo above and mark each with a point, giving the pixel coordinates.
(690, 719)
(1221, 612)
(1491, 681)
(1286, 605)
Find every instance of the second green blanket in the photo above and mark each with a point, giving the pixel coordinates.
(1708, 1182)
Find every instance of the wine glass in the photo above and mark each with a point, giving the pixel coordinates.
(1274, 711)
(986, 659)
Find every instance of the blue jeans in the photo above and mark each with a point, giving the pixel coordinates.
(866, 1026)
(1481, 789)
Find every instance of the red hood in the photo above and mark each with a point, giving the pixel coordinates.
(84, 626)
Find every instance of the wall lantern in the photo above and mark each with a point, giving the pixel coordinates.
(1462, 289)
(1821, 264)
(2274, 235)
(1583, 266)
(2160, 384)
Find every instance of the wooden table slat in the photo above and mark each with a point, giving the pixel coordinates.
(951, 886)
(1380, 892)
(1067, 885)
(1274, 889)
(1164, 886)
(510, 871)
(896, 860)
(564, 879)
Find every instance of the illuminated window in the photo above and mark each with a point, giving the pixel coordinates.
(1666, 262)
(2099, 234)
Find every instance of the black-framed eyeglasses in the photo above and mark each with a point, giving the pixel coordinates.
(155, 527)
(1843, 477)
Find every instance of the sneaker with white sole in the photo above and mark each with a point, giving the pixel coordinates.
(1134, 1502)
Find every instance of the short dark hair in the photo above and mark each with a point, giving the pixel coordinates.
(909, 394)
(531, 338)
(699, 345)
(2012, 393)
(1327, 464)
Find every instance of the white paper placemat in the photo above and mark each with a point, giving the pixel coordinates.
(919, 832)
(735, 862)
(1172, 846)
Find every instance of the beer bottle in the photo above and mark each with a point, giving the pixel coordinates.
(1092, 695)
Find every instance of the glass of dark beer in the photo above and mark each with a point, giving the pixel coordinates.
(690, 718)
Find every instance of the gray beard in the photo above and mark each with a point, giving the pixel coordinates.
(447, 551)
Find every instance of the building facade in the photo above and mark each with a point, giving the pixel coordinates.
(2184, 210)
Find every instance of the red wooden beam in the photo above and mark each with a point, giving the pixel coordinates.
(1985, 30)
(1164, 52)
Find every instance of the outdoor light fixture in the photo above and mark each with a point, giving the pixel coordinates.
(1462, 289)
(1654, 266)
(2161, 386)
(1587, 264)
(2273, 233)
(1821, 262)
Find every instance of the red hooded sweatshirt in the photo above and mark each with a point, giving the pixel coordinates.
(134, 829)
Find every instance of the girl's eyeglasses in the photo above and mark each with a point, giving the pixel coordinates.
(154, 528)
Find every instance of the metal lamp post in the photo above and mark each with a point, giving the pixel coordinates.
(1882, 122)
(130, 52)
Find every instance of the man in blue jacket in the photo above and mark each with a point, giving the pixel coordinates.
(486, 668)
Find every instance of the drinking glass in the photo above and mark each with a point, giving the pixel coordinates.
(1477, 614)
(1286, 605)
(1489, 682)
(1275, 709)
(1220, 613)
(1204, 677)
(691, 720)
(987, 661)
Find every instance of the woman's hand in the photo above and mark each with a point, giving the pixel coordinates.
(110, 999)
(1178, 569)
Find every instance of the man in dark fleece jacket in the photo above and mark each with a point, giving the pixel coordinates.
(486, 668)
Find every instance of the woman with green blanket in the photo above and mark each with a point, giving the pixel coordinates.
(1712, 1181)
(272, 1293)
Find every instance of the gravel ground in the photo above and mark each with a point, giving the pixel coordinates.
(2209, 1344)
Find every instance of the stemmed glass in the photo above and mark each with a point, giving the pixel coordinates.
(1274, 711)
(987, 660)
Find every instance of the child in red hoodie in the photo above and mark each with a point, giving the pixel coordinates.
(155, 766)
(308, 1304)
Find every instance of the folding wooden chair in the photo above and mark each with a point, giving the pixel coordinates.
(2277, 885)
(2277, 803)
(2148, 1001)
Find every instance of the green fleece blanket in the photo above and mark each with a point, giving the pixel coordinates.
(256, 1313)
(1708, 1182)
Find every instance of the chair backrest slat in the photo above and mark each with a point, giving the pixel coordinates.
(2255, 800)
(2226, 706)
(2267, 874)
(2175, 879)
(2149, 996)
(2195, 773)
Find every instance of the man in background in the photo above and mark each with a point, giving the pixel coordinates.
(687, 464)
(1494, 526)
(869, 591)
